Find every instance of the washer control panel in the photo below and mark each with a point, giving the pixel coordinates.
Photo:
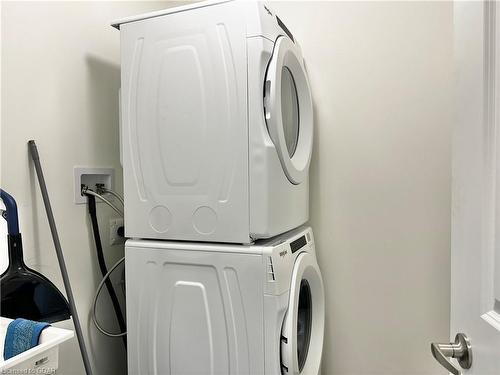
(280, 259)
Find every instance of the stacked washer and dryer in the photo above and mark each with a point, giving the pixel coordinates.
(216, 135)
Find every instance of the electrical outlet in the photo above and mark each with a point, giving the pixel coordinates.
(114, 238)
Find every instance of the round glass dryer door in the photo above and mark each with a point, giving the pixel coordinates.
(303, 327)
(288, 109)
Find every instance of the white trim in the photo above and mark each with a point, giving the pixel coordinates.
(491, 141)
(495, 119)
(492, 318)
(475, 222)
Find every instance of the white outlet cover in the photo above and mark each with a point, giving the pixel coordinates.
(114, 238)
(91, 177)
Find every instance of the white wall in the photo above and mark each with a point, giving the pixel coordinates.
(60, 76)
(381, 80)
(381, 77)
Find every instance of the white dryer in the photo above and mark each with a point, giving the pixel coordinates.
(225, 309)
(217, 124)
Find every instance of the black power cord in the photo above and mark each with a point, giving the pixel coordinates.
(103, 267)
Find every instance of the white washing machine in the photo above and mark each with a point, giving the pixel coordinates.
(225, 309)
(217, 124)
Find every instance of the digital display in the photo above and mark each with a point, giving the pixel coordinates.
(298, 244)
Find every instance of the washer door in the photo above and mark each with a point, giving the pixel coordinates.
(303, 327)
(288, 109)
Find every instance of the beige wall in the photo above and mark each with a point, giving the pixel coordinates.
(381, 80)
(60, 77)
(381, 77)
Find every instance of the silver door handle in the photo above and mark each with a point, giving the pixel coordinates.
(461, 349)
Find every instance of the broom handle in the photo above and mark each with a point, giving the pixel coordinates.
(60, 256)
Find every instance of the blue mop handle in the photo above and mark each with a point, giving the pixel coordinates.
(11, 210)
